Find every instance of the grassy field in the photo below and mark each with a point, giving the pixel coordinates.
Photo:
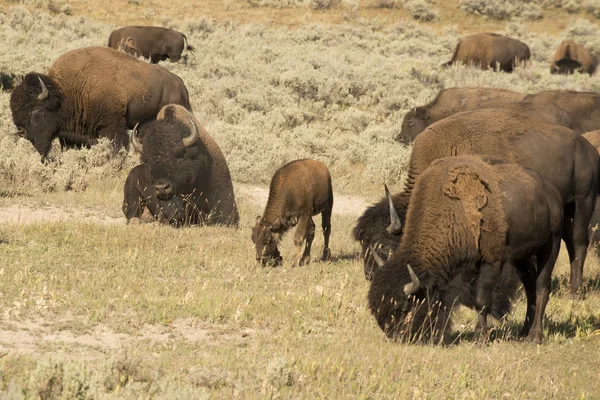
(93, 308)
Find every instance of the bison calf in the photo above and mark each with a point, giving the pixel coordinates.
(299, 190)
(472, 226)
(153, 42)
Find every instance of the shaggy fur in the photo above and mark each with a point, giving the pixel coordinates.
(153, 42)
(470, 228)
(582, 107)
(594, 229)
(488, 49)
(449, 102)
(115, 92)
(558, 154)
(299, 190)
(202, 190)
(570, 57)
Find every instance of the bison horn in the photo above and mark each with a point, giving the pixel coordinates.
(414, 285)
(376, 256)
(395, 225)
(44, 95)
(190, 140)
(135, 141)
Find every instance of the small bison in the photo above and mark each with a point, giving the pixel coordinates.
(582, 107)
(569, 161)
(299, 190)
(486, 50)
(570, 57)
(151, 42)
(184, 178)
(92, 93)
(472, 226)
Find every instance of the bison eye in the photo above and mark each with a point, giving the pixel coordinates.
(411, 122)
(180, 153)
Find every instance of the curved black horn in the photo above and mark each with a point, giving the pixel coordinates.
(135, 141)
(44, 95)
(190, 140)
(414, 285)
(395, 226)
(376, 256)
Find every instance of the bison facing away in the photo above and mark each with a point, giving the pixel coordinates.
(299, 190)
(582, 107)
(570, 57)
(152, 42)
(486, 50)
(556, 153)
(184, 178)
(471, 228)
(92, 93)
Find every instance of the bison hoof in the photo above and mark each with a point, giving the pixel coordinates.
(326, 255)
(535, 337)
(134, 221)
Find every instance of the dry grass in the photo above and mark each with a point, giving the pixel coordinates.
(92, 308)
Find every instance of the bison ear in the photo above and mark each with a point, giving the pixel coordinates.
(258, 218)
(422, 113)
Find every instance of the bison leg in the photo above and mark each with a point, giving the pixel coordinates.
(528, 278)
(326, 224)
(578, 234)
(137, 197)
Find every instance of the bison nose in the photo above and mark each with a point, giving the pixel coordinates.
(163, 189)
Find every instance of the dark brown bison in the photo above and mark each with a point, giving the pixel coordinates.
(556, 153)
(470, 226)
(486, 50)
(594, 231)
(455, 100)
(583, 107)
(299, 190)
(570, 57)
(152, 42)
(184, 178)
(92, 93)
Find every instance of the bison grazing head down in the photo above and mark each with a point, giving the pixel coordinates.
(174, 156)
(266, 239)
(415, 122)
(35, 106)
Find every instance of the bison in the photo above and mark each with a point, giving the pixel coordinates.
(486, 50)
(92, 93)
(558, 154)
(151, 42)
(582, 107)
(299, 190)
(184, 178)
(471, 224)
(570, 57)
(594, 231)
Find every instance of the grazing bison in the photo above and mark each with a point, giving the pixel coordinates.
(184, 178)
(570, 57)
(91, 93)
(582, 107)
(470, 226)
(299, 190)
(152, 42)
(556, 153)
(486, 50)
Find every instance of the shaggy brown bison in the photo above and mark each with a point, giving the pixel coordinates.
(152, 42)
(486, 50)
(299, 190)
(470, 226)
(583, 107)
(449, 102)
(91, 93)
(184, 178)
(556, 153)
(594, 231)
(570, 57)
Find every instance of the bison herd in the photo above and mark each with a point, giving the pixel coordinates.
(496, 178)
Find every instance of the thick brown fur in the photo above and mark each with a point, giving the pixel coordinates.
(472, 226)
(153, 42)
(210, 189)
(570, 57)
(488, 49)
(299, 190)
(449, 102)
(113, 93)
(594, 230)
(583, 107)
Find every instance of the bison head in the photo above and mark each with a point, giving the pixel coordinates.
(415, 122)
(35, 105)
(176, 159)
(266, 238)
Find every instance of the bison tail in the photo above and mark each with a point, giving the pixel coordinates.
(188, 46)
(447, 64)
